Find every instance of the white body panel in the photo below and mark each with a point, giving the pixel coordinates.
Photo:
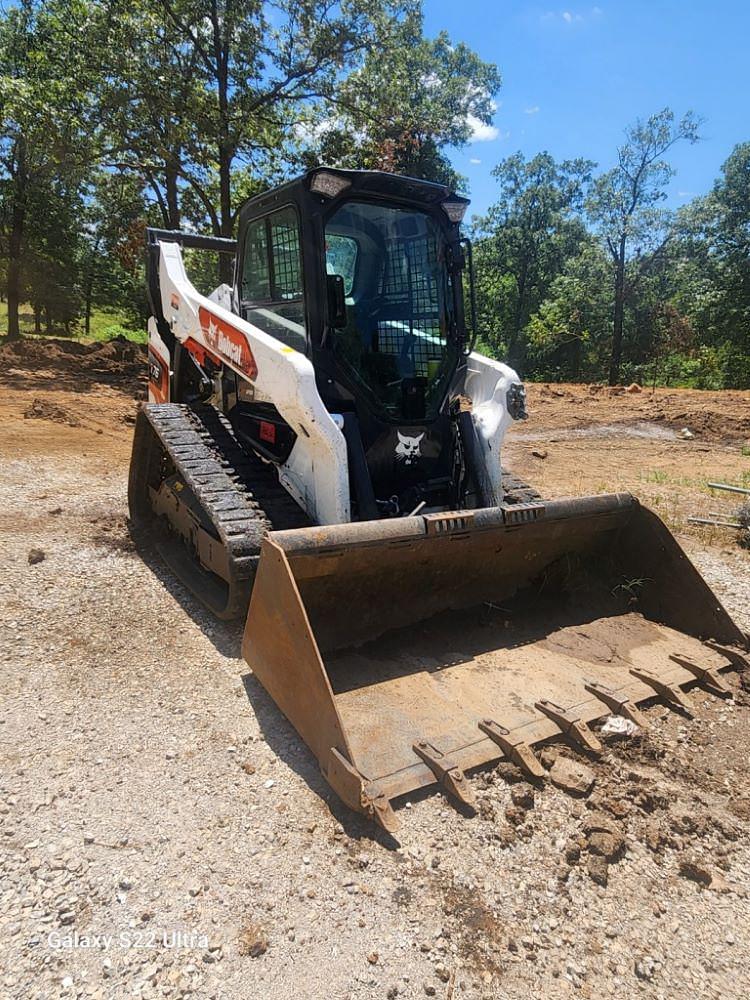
(487, 385)
(159, 373)
(316, 473)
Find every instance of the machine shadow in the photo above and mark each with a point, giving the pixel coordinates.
(224, 636)
(283, 739)
(277, 731)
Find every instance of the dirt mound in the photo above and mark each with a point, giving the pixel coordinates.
(44, 409)
(118, 349)
(711, 415)
(70, 365)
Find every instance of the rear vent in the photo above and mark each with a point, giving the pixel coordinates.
(522, 513)
(448, 523)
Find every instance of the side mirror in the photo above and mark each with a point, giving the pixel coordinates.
(336, 301)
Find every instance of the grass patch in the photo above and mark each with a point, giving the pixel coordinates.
(105, 324)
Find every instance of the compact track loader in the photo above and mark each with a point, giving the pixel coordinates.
(322, 441)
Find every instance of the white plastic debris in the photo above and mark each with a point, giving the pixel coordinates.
(686, 434)
(616, 725)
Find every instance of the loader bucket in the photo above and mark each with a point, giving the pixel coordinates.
(406, 652)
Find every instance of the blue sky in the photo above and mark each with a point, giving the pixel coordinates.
(575, 76)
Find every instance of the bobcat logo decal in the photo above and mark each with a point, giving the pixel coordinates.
(407, 449)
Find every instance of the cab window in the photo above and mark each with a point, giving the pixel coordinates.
(272, 289)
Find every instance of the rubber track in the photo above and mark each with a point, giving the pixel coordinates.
(240, 495)
(515, 490)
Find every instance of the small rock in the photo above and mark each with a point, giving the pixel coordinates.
(572, 852)
(539, 452)
(598, 869)
(571, 776)
(509, 772)
(605, 844)
(372, 958)
(697, 872)
(36, 556)
(634, 387)
(150, 972)
(645, 968)
(253, 941)
(686, 434)
(515, 815)
(430, 989)
(548, 755)
(522, 795)
(652, 835)
(506, 835)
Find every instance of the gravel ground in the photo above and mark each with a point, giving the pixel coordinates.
(166, 834)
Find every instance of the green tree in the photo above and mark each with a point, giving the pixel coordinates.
(232, 79)
(412, 98)
(49, 117)
(567, 335)
(523, 242)
(625, 203)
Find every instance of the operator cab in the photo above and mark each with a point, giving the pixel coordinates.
(361, 271)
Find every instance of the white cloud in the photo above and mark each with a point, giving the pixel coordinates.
(480, 132)
(474, 161)
(533, 110)
(568, 16)
(686, 194)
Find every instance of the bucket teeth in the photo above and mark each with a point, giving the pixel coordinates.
(376, 805)
(570, 725)
(740, 661)
(618, 703)
(708, 676)
(514, 748)
(359, 792)
(450, 776)
(671, 693)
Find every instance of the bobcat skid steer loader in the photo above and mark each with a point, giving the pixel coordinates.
(322, 434)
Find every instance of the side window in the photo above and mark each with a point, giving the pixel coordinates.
(287, 265)
(255, 277)
(272, 288)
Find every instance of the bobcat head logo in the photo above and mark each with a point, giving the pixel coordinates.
(407, 449)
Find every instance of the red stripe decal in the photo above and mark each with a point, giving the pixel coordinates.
(228, 342)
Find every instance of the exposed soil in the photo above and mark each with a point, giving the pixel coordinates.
(167, 834)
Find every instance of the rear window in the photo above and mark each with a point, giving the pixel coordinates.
(341, 258)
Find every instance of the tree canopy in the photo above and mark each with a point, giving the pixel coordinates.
(117, 115)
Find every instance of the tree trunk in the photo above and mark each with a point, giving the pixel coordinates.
(48, 319)
(14, 329)
(15, 239)
(37, 319)
(616, 358)
(225, 210)
(173, 201)
(15, 243)
(226, 150)
(516, 348)
(89, 290)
